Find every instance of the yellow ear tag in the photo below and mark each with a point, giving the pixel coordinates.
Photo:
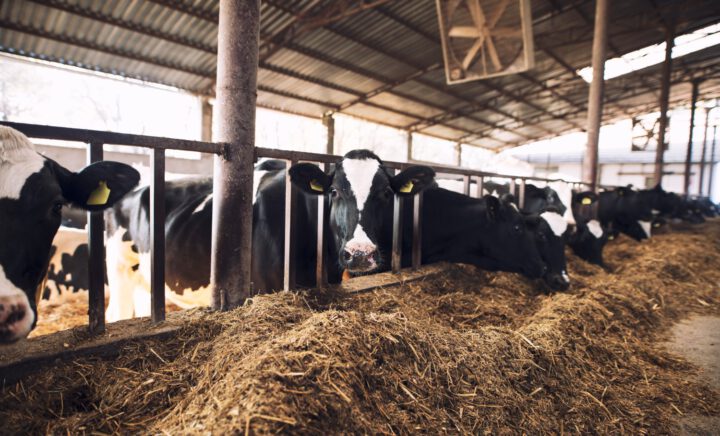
(315, 186)
(407, 188)
(587, 200)
(100, 195)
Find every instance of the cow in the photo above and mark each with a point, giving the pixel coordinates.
(456, 228)
(626, 211)
(33, 190)
(588, 239)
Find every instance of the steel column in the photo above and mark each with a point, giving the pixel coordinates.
(521, 194)
(701, 183)
(688, 155)
(417, 231)
(236, 92)
(96, 254)
(290, 230)
(712, 163)
(206, 119)
(664, 101)
(409, 146)
(466, 185)
(157, 235)
(321, 255)
(595, 99)
(329, 122)
(398, 206)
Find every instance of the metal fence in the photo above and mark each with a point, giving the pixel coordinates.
(95, 141)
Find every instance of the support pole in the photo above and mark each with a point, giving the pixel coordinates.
(458, 151)
(664, 100)
(688, 155)
(701, 183)
(207, 120)
(329, 123)
(409, 146)
(233, 180)
(712, 163)
(96, 257)
(595, 99)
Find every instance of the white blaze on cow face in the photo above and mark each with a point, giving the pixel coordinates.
(18, 161)
(556, 222)
(16, 315)
(595, 228)
(646, 226)
(359, 174)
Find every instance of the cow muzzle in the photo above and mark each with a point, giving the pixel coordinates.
(16, 317)
(360, 257)
(558, 282)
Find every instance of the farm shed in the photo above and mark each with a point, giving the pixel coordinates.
(379, 61)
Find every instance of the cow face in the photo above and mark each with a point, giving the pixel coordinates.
(361, 192)
(550, 230)
(508, 242)
(33, 190)
(540, 199)
(588, 238)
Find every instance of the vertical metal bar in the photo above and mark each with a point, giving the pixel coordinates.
(521, 194)
(701, 183)
(688, 155)
(157, 235)
(320, 267)
(206, 119)
(481, 186)
(512, 186)
(664, 102)
(329, 122)
(417, 231)
(466, 184)
(712, 163)
(290, 231)
(595, 99)
(458, 151)
(236, 91)
(397, 234)
(96, 254)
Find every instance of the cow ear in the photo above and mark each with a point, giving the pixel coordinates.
(412, 180)
(99, 185)
(309, 178)
(492, 207)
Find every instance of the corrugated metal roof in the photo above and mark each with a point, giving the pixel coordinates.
(382, 63)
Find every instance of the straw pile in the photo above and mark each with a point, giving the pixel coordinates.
(464, 351)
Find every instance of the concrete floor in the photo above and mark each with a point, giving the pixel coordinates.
(698, 340)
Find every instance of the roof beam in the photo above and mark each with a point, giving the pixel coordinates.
(189, 10)
(75, 9)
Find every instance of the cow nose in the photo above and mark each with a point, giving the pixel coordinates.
(16, 318)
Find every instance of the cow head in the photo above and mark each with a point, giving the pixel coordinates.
(508, 243)
(539, 199)
(33, 190)
(361, 202)
(588, 238)
(550, 230)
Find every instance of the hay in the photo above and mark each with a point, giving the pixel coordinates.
(464, 351)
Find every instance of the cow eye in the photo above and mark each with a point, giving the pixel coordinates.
(333, 192)
(57, 207)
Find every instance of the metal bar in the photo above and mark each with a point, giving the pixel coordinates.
(409, 145)
(664, 101)
(466, 185)
(701, 183)
(90, 136)
(290, 231)
(712, 163)
(513, 185)
(417, 231)
(96, 254)
(230, 270)
(321, 255)
(157, 236)
(688, 155)
(481, 186)
(521, 194)
(595, 99)
(397, 234)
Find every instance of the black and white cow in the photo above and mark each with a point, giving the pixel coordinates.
(589, 237)
(33, 190)
(626, 211)
(456, 228)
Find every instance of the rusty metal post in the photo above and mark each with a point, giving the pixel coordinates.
(328, 121)
(96, 257)
(236, 92)
(664, 102)
(688, 155)
(595, 99)
(712, 163)
(701, 183)
(409, 146)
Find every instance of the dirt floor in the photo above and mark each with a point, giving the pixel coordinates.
(463, 351)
